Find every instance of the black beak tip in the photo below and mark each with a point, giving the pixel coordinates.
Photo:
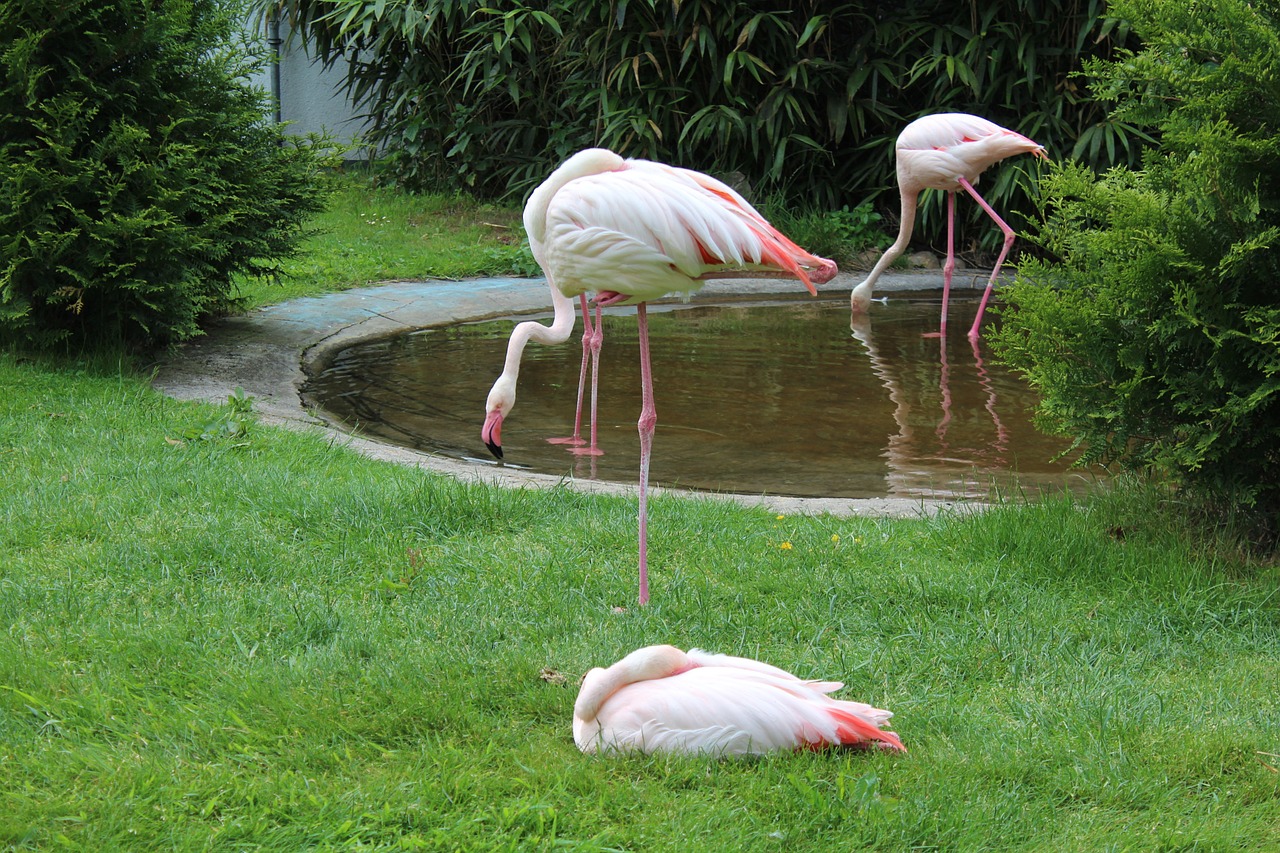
(495, 449)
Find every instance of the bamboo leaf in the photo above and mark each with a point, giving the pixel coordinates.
(814, 28)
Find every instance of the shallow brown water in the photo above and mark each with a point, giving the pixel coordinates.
(758, 398)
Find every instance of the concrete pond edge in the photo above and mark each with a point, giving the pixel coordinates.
(271, 352)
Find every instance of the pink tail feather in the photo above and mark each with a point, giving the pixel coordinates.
(779, 250)
(852, 730)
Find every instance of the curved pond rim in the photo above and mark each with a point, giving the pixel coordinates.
(269, 354)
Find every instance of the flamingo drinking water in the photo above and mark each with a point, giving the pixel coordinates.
(632, 231)
(948, 152)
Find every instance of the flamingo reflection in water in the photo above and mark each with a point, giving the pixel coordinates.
(915, 458)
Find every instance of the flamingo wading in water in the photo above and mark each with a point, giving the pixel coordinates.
(633, 231)
(660, 699)
(947, 151)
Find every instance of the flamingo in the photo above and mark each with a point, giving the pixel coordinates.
(661, 699)
(947, 151)
(633, 231)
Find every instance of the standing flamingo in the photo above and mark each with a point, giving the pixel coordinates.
(947, 152)
(660, 699)
(632, 231)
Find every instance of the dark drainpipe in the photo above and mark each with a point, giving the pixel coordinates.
(274, 42)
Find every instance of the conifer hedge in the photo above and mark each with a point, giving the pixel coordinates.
(137, 173)
(1152, 323)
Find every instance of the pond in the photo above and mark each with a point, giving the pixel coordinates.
(775, 397)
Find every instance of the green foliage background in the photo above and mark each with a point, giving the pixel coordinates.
(137, 175)
(1153, 327)
(804, 99)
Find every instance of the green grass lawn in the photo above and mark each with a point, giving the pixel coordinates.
(224, 636)
(372, 234)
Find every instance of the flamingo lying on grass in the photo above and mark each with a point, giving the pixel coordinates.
(947, 152)
(660, 699)
(632, 231)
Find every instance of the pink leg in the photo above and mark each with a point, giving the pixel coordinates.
(1008, 243)
(950, 266)
(648, 420)
(592, 337)
(597, 340)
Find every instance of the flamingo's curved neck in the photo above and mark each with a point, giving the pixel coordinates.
(641, 665)
(598, 686)
(905, 229)
(862, 293)
(557, 333)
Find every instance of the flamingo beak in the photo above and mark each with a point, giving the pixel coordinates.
(491, 433)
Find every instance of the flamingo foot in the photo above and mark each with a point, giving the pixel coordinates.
(573, 439)
(586, 451)
(932, 335)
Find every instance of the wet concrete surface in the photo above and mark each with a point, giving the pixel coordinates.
(270, 352)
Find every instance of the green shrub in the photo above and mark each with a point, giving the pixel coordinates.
(804, 99)
(137, 173)
(840, 235)
(1154, 331)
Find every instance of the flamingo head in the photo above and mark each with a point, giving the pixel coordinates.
(860, 298)
(501, 398)
(825, 271)
(1009, 143)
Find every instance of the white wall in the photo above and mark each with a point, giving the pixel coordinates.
(311, 98)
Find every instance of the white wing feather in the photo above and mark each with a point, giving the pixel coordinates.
(644, 229)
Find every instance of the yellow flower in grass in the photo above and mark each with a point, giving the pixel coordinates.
(785, 546)
(835, 538)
